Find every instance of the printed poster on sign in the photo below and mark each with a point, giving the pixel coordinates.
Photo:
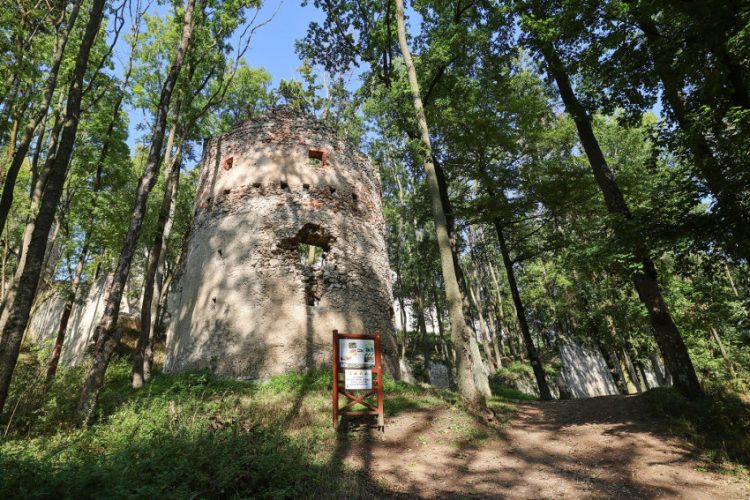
(357, 353)
(357, 379)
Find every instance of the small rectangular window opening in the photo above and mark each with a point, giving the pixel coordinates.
(311, 255)
(315, 157)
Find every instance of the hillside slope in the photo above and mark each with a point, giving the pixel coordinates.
(194, 436)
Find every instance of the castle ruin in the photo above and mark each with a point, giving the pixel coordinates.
(287, 244)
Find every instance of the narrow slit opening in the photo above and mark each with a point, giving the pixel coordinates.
(315, 157)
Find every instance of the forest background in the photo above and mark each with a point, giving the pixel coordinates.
(552, 171)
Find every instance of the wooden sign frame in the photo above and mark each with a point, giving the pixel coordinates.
(377, 383)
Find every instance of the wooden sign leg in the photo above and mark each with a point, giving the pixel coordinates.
(379, 366)
(335, 379)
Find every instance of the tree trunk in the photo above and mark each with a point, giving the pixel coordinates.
(729, 204)
(161, 284)
(483, 332)
(9, 101)
(67, 310)
(6, 250)
(503, 327)
(63, 31)
(495, 342)
(424, 338)
(15, 314)
(69, 304)
(449, 354)
(106, 335)
(631, 371)
(163, 228)
(536, 363)
(613, 364)
(459, 331)
(667, 335)
(715, 335)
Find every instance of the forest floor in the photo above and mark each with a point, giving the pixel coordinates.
(196, 436)
(593, 448)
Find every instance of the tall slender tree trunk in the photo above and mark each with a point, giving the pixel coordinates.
(475, 290)
(107, 337)
(632, 372)
(533, 353)
(63, 31)
(613, 365)
(478, 370)
(67, 310)
(15, 314)
(70, 302)
(459, 330)
(448, 352)
(424, 337)
(503, 325)
(162, 234)
(13, 138)
(9, 101)
(727, 360)
(496, 344)
(483, 331)
(667, 335)
(161, 284)
(6, 251)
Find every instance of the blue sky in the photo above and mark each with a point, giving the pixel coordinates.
(272, 47)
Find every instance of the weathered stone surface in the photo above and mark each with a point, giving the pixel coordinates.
(439, 376)
(407, 375)
(244, 301)
(45, 321)
(585, 372)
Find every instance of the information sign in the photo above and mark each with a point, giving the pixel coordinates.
(357, 379)
(358, 357)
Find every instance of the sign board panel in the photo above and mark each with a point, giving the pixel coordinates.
(357, 353)
(358, 356)
(357, 379)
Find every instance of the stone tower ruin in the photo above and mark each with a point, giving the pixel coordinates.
(287, 243)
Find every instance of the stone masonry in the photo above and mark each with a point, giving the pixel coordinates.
(247, 301)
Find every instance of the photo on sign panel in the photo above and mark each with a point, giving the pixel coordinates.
(357, 353)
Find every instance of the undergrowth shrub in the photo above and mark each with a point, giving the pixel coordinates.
(719, 425)
(180, 436)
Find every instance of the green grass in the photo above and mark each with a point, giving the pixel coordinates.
(502, 381)
(183, 436)
(718, 426)
(195, 436)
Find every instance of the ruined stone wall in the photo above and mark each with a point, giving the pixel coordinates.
(245, 302)
(87, 312)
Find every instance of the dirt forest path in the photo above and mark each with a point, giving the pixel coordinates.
(592, 448)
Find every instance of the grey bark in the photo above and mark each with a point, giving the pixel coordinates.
(148, 305)
(531, 350)
(64, 28)
(107, 337)
(15, 314)
(461, 335)
(668, 337)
